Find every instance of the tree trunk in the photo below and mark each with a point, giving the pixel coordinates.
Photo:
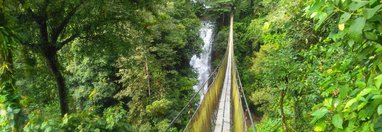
(52, 62)
(282, 110)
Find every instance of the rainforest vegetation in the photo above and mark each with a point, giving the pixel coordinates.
(123, 65)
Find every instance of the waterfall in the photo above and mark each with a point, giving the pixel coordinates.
(202, 62)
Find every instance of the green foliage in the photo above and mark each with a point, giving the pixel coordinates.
(279, 62)
(124, 65)
(269, 124)
(156, 73)
(10, 108)
(357, 77)
(311, 63)
(38, 121)
(159, 107)
(306, 65)
(331, 65)
(112, 119)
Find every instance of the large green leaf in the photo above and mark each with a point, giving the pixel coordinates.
(372, 1)
(337, 121)
(319, 114)
(321, 19)
(377, 97)
(344, 17)
(370, 12)
(371, 35)
(361, 105)
(356, 28)
(379, 110)
(355, 5)
(360, 84)
(350, 102)
(365, 91)
(344, 91)
(379, 28)
(315, 7)
(378, 81)
(3, 98)
(328, 102)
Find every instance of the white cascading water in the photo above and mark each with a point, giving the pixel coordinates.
(202, 62)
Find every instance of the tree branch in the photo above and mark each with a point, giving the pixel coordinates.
(40, 20)
(66, 41)
(57, 31)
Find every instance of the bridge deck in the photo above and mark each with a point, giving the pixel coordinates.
(224, 112)
(223, 118)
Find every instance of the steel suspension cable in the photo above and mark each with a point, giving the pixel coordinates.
(192, 98)
(220, 65)
(245, 99)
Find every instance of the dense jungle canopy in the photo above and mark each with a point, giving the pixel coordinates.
(124, 65)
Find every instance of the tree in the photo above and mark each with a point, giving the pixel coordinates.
(155, 72)
(45, 27)
(111, 62)
(48, 26)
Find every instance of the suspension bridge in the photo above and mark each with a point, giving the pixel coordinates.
(221, 109)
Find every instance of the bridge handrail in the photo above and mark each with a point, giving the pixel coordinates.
(204, 123)
(193, 97)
